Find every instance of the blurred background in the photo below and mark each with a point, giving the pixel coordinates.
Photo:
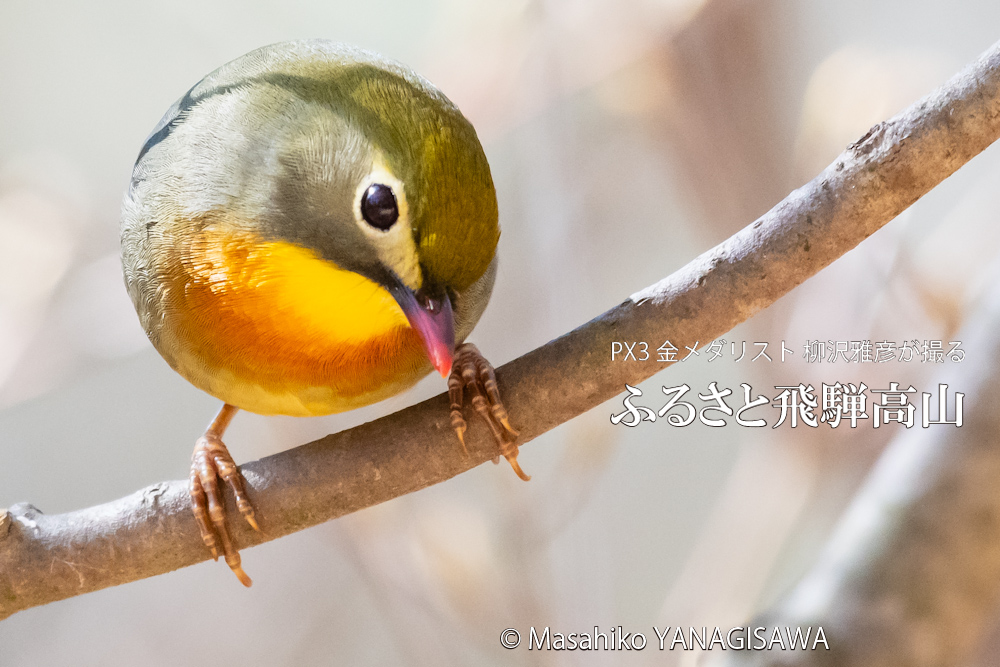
(625, 138)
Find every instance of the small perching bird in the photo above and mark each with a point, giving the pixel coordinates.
(311, 228)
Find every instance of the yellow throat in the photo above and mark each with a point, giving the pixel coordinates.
(271, 327)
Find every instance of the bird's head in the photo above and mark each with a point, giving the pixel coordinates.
(380, 174)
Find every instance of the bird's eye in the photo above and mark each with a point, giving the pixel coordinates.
(378, 206)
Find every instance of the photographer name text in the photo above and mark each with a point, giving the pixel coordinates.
(813, 351)
(670, 638)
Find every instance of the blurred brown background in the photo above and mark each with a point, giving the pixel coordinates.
(625, 138)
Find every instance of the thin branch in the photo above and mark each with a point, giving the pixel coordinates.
(46, 558)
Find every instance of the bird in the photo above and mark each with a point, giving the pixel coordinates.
(309, 229)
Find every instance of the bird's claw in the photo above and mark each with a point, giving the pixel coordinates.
(472, 374)
(211, 462)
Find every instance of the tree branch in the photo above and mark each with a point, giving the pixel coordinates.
(46, 558)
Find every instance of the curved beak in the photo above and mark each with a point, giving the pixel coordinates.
(433, 319)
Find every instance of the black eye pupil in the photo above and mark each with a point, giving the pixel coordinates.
(378, 206)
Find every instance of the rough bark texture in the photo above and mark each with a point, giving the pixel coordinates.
(46, 558)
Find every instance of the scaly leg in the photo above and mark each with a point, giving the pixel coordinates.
(210, 462)
(470, 372)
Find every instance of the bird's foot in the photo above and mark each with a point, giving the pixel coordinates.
(211, 462)
(472, 374)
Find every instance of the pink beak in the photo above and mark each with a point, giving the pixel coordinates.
(433, 319)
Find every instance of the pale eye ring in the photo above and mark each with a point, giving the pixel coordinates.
(378, 206)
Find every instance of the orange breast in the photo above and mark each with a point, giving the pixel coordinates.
(273, 326)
